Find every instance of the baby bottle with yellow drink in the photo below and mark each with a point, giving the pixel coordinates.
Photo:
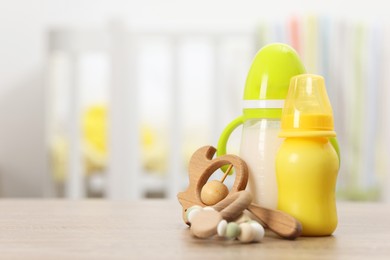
(307, 163)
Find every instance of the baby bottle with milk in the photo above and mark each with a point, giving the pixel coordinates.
(264, 94)
(307, 163)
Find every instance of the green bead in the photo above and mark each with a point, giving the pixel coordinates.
(232, 230)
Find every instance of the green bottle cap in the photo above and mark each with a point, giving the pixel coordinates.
(269, 79)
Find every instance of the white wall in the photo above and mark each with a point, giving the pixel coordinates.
(23, 27)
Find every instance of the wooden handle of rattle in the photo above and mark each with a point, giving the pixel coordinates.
(233, 205)
(279, 222)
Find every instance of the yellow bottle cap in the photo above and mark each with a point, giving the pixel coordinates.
(307, 110)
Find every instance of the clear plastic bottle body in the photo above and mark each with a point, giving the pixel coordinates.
(259, 145)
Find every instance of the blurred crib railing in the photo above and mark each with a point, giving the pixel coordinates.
(125, 177)
(351, 56)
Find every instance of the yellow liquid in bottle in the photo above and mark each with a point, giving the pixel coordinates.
(306, 169)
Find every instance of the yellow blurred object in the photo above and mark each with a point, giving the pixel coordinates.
(94, 145)
(153, 151)
(95, 129)
(94, 126)
(59, 155)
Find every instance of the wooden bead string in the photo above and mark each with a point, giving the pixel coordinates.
(207, 222)
(244, 228)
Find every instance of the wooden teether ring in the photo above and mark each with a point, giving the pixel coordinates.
(202, 166)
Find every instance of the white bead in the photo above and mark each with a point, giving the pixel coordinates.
(221, 228)
(247, 233)
(209, 208)
(192, 214)
(189, 210)
(258, 230)
(193, 207)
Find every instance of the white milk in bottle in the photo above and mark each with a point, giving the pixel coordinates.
(261, 180)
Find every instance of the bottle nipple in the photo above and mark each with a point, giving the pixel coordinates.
(307, 110)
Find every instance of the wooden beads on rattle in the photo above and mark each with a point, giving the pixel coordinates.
(230, 222)
(207, 222)
(215, 191)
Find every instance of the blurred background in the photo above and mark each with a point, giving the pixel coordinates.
(109, 98)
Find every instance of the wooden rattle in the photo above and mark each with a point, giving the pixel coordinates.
(202, 166)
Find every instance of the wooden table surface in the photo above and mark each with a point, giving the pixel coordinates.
(153, 229)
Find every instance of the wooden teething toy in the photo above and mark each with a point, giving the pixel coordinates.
(202, 166)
